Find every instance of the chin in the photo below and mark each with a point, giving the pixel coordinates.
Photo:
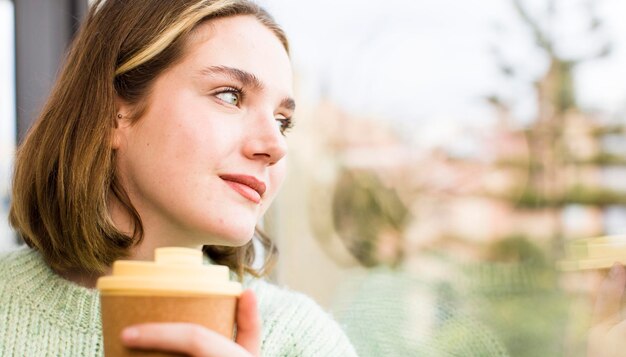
(231, 238)
(238, 241)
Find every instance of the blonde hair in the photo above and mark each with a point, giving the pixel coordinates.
(65, 168)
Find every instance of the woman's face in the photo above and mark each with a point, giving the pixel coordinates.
(207, 158)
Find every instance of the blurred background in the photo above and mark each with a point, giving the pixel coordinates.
(444, 153)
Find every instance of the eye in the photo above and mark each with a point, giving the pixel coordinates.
(284, 124)
(231, 96)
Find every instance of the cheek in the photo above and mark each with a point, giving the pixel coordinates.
(276, 178)
(277, 175)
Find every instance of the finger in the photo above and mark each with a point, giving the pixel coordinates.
(248, 323)
(608, 304)
(189, 339)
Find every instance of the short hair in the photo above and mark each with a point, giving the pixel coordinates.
(65, 168)
(363, 209)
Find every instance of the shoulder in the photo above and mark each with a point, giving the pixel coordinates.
(294, 325)
(14, 262)
(275, 299)
(13, 258)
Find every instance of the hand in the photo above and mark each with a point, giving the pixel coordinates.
(607, 337)
(198, 341)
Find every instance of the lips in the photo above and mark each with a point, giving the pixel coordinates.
(247, 186)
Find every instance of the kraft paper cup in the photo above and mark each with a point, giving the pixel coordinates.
(176, 287)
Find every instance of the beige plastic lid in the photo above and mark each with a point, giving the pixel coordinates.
(594, 253)
(174, 271)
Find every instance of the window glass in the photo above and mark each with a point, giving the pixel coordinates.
(7, 115)
(446, 157)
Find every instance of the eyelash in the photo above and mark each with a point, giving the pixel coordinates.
(239, 92)
(286, 123)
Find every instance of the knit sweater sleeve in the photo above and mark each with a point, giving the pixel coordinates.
(294, 325)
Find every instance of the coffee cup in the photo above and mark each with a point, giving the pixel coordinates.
(175, 287)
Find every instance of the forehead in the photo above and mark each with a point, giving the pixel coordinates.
(240, 42)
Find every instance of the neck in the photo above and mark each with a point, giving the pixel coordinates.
(144, 251)
(84, 279)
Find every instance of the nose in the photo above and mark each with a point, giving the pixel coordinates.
(264, 140)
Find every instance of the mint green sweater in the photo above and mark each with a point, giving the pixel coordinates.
(42, 314)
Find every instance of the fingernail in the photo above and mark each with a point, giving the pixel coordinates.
(615, 269)
(130, 334)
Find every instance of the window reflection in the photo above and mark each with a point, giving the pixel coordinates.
(451, 153)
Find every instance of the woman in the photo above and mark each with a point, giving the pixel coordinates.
(166, 127)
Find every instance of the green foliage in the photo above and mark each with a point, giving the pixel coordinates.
(595, 196)
(602, 159)
(609, 130)
(521, 301)
(516, 249)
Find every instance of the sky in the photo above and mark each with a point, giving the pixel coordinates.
(429, 64)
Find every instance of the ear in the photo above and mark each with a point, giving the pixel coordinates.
(122, 122)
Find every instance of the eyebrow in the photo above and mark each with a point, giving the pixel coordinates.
(288, 103)
(247, 79)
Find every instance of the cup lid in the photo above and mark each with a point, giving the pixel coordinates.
(594, 253)
(174, 270)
